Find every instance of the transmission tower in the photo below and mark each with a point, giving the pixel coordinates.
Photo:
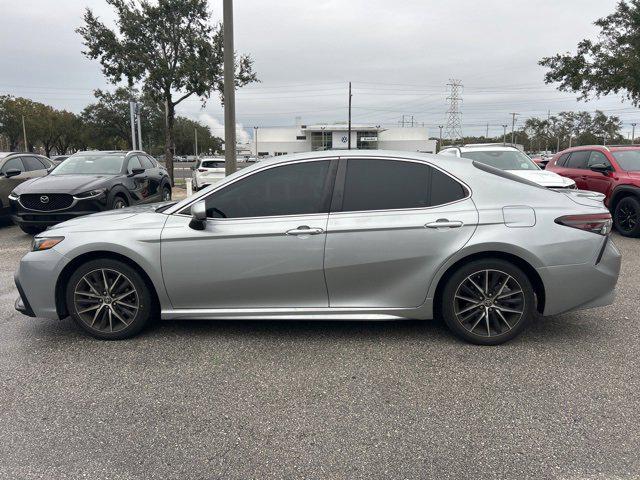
(453, 129)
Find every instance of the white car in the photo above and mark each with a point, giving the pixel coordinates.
(512, 160)
(208, 170)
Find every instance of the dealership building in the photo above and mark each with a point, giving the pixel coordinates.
(274, 141)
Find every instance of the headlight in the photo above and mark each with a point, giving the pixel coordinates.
(44, 243)
(14, 196)
(91, 193)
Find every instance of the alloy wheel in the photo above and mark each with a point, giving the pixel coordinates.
(627, 217)
(489, 303)
(119, 203)
(106, 300)
(166, 196)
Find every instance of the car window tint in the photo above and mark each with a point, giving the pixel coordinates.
(445, 189)
(33, 163)
(295, 189)
(13, 164)
(385, 184)
(598, 158)
(563, 159)
(134, 163)
(154, 164)
(145, 162)
(578, 159)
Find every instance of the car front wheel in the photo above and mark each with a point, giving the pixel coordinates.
(627, 217)
(488, 302)
(109, 299)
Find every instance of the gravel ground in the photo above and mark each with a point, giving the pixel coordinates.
(238, 400)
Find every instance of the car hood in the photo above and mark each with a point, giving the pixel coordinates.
(137, 217)
(544, 178)
(63, 184)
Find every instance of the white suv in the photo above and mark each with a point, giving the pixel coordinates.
(512, 160)
(208, 170)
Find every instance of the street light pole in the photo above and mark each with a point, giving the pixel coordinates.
(24, 135)
(349, 134)
(633, 133)
(255, 139)
(139, 117)
(132, 114)
(229, 89)
(440, 144)
(504, 135)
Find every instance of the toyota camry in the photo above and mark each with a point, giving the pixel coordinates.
(348, 235)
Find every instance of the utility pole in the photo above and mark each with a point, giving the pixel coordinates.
(349, 133)
(440, 143)
(138, 111)
(513, 127)
(255, 139)
(633, 133)
(487, 135)
(195, 149)
(504, 135)
(229, 89)
(412, 120)
(132, 114)
(24, 134)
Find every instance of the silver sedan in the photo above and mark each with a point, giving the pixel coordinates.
(344, 235)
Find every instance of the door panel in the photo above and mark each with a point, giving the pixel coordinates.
(245, 263)
(387, 259)
(596, 181)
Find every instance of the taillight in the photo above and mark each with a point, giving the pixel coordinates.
(599, 223)
(202, 170)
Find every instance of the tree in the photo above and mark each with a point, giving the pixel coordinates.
(170, 46)
(109, 119)
(185, 137)
(609, 65)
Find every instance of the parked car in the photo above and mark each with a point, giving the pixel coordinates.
(59, 159)
(613, 171)
(512, 160)
(541, 160)
(342, 235)
(88, 182)
(16, 168)
(207, 171)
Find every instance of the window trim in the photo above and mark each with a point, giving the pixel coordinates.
(327, 194)
(338, 190)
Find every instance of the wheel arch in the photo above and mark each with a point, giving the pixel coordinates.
(122, 191)
(621, 192)
(67, 271)
(518, 261)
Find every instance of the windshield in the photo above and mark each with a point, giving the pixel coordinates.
(504, 160)
(212, 164)
(98, 164)
(628, 160)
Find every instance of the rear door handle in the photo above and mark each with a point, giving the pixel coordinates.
(444, 223)
(304, 230)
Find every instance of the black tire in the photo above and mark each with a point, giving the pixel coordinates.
(99, 320)
(118, 201)
(32, 229)
(166, 193)
(626, 217)
(460, 294)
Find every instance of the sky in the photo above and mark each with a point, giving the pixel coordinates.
(398, 55)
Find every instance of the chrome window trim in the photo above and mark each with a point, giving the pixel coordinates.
(336, 157)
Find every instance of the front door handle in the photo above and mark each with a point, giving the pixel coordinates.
(304, 230)
(444, 223)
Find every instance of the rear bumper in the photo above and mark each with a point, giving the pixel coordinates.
(576, 287)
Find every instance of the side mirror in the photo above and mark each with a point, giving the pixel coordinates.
(136, 171)
(600, 168)
(12, 172)
(198, 215)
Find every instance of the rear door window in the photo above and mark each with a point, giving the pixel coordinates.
(376, 184)
(145, 162)
(562, 160)
(134, 163)
(578, 159)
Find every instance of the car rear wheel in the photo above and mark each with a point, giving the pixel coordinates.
(108, 299)
(627, 217)
(488, 302)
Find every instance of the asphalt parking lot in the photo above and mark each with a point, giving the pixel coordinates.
(237, 400)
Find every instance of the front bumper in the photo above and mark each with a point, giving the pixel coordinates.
(22, 216)
(581, 286)
(36, 280)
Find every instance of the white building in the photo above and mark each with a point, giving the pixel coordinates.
(273, 141)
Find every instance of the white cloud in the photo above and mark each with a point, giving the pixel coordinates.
(217, 128)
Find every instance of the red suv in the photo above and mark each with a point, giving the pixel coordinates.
(612, 170)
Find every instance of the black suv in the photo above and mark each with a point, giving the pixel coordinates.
(16, 168)
(88, 182)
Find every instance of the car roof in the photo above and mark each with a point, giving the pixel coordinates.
(108, 152)
(483, 147)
